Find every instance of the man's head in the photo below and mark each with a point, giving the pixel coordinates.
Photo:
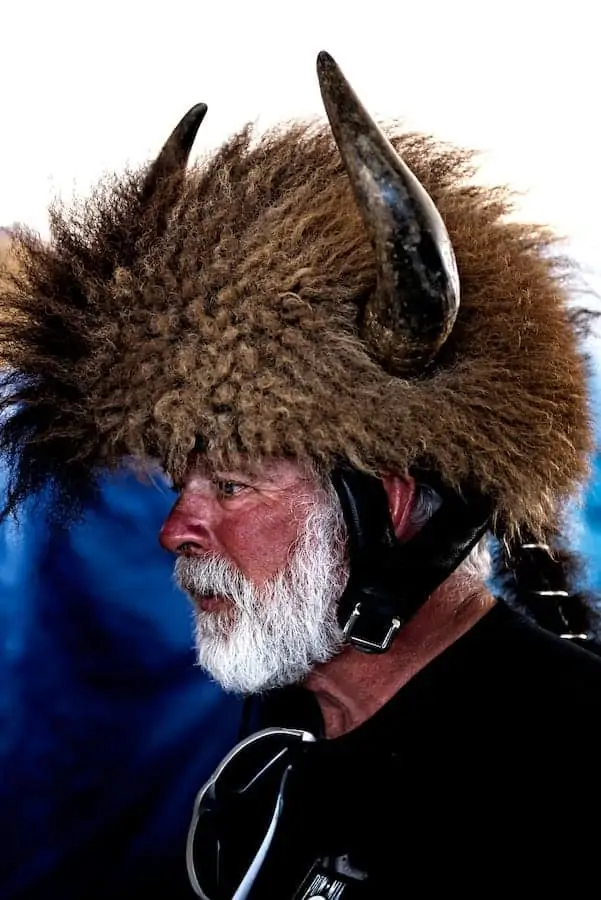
(263, 556)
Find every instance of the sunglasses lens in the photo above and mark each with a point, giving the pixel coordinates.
(251, 764)
(234, 810)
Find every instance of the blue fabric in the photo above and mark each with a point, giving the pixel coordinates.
(107, 728)
(588, 516)
(590, 537)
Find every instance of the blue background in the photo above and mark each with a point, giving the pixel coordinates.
(107, 729)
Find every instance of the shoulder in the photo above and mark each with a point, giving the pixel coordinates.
(537, 668)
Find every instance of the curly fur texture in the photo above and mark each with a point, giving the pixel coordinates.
(225, 305)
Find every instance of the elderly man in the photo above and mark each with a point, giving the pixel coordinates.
(263, 557)
(356, 370)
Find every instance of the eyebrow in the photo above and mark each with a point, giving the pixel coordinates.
(246, 477)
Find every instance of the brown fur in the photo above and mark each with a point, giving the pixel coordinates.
(8, 264)
(7, 259)
(228, 308)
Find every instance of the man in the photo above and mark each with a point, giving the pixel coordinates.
(356, 370)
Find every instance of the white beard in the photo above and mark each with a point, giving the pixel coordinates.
(272, 636)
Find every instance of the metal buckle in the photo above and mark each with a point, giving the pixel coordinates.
(575, 637)
(567, 635)
(364, 643)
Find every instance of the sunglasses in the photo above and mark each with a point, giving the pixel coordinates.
(223, 857)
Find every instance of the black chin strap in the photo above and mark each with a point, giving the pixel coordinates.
(388, 581)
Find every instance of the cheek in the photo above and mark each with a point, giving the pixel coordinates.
(260, 542)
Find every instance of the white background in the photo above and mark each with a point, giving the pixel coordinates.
(89, 87)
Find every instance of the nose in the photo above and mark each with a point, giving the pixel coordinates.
(185, 533)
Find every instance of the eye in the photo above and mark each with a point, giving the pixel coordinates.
(228, 489)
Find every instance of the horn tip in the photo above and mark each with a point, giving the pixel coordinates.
(332, 82)
(197, 112)
(189, 125)
(325, 62)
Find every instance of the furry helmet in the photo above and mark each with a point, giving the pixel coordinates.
(340, 297)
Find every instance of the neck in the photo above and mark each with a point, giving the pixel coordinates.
(351, 687)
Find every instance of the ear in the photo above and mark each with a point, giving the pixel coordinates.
(400, 490)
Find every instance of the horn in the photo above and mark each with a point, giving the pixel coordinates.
(176, 150)
(417, 298)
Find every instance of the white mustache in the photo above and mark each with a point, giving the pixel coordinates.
(214, 576)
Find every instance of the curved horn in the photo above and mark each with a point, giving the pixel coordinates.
(176, 150)
(417, 298)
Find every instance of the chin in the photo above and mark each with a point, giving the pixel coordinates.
(245, 675)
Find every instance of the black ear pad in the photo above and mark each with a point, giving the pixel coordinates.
(389, 580)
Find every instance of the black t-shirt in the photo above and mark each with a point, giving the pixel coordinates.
(481, 774)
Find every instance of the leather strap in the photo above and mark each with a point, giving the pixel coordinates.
(388, 581)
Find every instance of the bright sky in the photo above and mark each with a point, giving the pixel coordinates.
(89, 87)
